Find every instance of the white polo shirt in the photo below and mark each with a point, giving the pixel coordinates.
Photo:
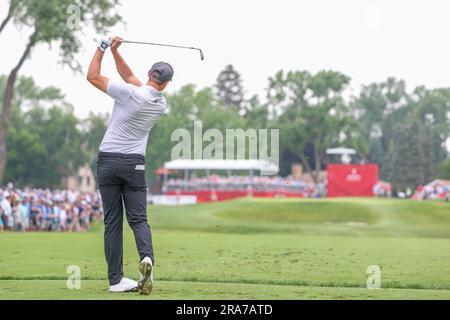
(136, 110)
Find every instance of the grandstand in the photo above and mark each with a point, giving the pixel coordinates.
(216, 180)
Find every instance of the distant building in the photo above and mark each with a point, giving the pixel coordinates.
(83, 181)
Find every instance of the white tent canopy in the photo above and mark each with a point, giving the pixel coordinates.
(341, 151)
(248, 165)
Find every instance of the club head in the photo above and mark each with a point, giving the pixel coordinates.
(202, 57)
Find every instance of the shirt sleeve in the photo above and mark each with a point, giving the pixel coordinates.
(119, 91)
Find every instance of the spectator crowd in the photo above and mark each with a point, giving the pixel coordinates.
(382, 189)
(437, 189)
(46, 210)
(71, 210)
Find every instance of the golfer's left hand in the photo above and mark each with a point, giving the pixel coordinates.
(104, 44)
(116, 42)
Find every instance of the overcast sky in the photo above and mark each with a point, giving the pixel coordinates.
(369, 40)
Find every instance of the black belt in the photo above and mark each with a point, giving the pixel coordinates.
(102, 154)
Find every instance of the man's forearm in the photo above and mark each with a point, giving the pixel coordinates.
(96, 64)
(122, 67)
(93, 74)
(124, 70)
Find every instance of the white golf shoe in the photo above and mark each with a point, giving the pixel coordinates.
(145, 284)
(125, 285)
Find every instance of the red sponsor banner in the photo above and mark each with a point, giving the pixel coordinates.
(222, 195)
(351, 180)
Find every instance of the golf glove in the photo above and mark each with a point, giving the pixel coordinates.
(104, 44)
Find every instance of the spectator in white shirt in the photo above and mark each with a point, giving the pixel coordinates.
(6, 209)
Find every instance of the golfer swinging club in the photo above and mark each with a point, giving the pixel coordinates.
(121, 162)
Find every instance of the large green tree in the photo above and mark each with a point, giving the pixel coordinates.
(312, 115)
(374, 105)
(406, 132)
(229, 90)
(52, 22)
(407, 159)
(444, 169)
(44, 138)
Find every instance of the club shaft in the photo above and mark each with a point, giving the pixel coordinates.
(160, 44)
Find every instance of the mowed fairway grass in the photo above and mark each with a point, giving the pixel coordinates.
(252, 249)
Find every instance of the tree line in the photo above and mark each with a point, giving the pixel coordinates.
(403, 132)
(42, 140)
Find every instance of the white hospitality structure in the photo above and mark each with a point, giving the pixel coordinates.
(344, 153)
(261, 166)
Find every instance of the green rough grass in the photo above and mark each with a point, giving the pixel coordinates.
(352, 217)
(317, 249)
(95, 290)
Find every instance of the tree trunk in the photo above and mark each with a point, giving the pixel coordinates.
(4, 22)
(314, 174)
(7, 102)
(9, 15)
(308, 167)
(317, 162)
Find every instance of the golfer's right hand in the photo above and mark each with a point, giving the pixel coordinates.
(116, 42)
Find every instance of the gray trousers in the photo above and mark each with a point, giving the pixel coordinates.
(121, 179)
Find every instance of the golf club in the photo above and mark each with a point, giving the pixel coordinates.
(202, 57)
